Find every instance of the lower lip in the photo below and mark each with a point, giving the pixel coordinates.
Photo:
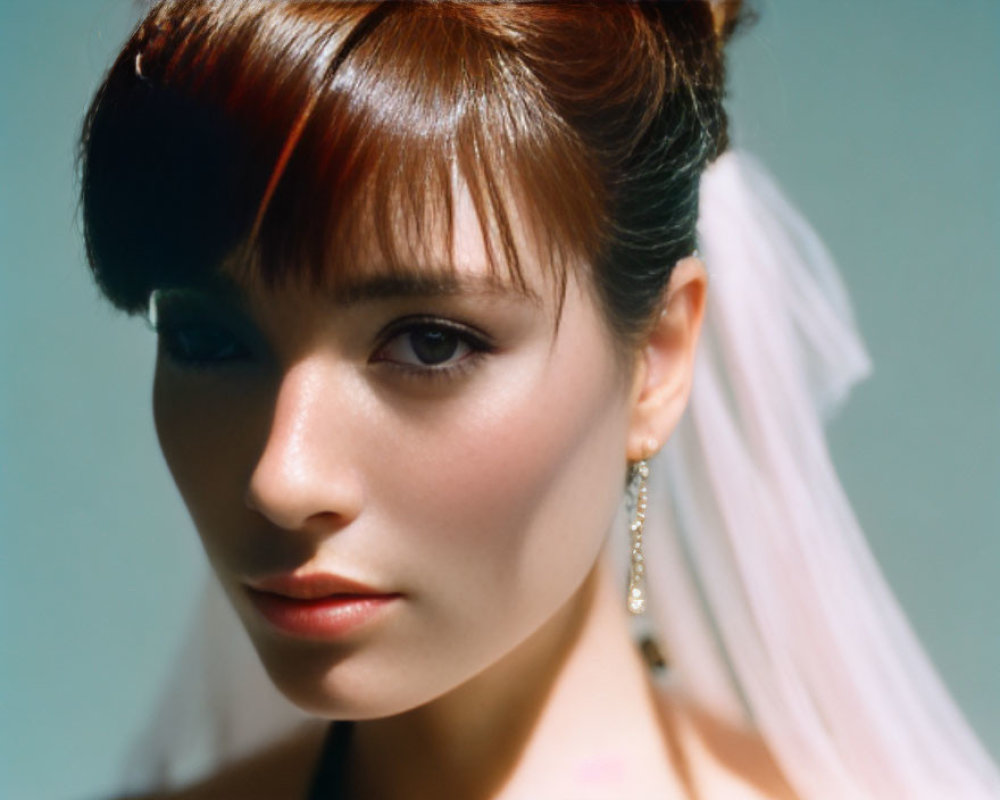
(324, 617)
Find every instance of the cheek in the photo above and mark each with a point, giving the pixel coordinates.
(510, 495)
(206, 431)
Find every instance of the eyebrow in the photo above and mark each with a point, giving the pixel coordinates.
(382, 286)
(423, 283)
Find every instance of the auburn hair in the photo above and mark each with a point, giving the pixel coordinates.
(283, 141)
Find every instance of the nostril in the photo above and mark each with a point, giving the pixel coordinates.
(321, 497)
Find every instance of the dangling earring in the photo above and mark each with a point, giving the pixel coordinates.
(636, 598)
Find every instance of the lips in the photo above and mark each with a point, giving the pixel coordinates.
(317, 605)
(311, 586)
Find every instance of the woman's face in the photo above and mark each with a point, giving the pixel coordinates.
(450, 448)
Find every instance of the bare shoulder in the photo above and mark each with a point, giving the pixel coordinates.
(723, 760)
(282, 770)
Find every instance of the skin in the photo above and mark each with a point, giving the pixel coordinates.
(483, 496)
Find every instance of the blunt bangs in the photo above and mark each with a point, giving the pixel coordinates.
(304, 141)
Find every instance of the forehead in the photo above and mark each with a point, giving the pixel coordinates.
(441, 257)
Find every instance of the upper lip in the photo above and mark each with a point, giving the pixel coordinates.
(310, 586)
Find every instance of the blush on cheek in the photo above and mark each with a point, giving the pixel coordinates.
(521, 478)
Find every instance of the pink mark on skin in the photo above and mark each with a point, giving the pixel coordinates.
(601, 770)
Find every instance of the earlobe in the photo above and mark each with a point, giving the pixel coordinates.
(666, 362)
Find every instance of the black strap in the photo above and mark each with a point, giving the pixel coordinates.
(329, 780)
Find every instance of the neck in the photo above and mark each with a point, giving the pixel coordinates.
(570, 711)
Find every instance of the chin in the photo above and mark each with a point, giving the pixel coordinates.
(342, 686)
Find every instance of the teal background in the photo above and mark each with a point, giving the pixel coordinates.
(881, 120)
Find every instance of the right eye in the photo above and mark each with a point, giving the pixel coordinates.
(196, 329)
(199, 343)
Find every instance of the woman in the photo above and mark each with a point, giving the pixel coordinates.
(424, 282)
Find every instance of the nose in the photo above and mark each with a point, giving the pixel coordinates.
(303, 478)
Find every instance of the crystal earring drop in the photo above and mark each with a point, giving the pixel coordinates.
(637, 566)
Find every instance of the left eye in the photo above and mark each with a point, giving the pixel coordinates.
(429, 346)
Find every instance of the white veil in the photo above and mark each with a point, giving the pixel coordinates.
(761, 584)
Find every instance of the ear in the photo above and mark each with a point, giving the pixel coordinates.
(665, 363)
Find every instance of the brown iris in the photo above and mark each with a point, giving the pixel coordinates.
(434, 345)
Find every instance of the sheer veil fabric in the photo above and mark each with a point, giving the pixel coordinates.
(769, 599)
(761, 583)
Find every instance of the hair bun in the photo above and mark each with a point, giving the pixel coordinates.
(728, 15)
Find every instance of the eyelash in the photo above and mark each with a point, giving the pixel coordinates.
(172, 333)
(171, 338)
(477, 344)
